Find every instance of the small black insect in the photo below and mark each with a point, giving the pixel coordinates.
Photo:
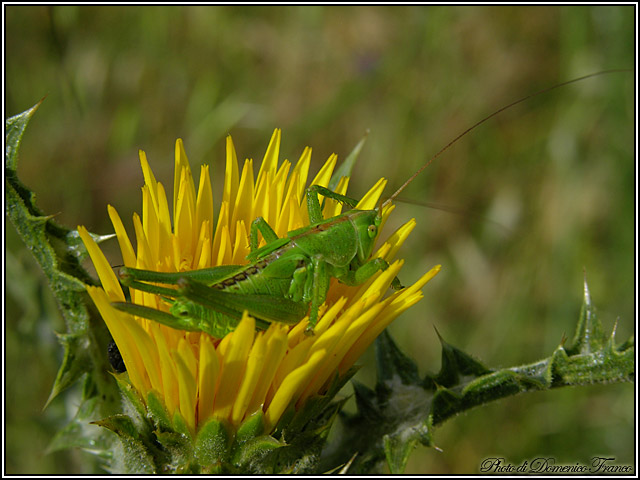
(115, 359)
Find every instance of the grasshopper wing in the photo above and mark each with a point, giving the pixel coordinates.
(264, 307)
(207, 276)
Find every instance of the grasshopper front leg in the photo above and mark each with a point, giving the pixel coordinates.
(374, 265)
(309, 283)
(318, 290)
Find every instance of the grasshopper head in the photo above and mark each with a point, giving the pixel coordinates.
(367, 225)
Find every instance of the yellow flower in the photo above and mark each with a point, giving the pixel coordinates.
(230, 379)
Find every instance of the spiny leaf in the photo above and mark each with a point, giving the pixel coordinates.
(157, 412)
(212, 445)
(403, 409)
(15, 127)
(604, 366)
(391, 362)
(121, 425)
(589, 335)
(76, 246)
(366, 401)
(300, 455)
(74, 363)
(133, 402)
(47, 241)
(397, 451)
(179, 451)
(135, 456)
(180, 424)
(455, 364)
(251, 456)
(302, 435)
(57, 251)
(320, 408)
(79, 433)
(250, 428)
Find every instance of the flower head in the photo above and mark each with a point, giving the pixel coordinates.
(198, 377)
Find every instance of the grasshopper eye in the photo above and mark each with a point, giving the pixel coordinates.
(372, 230)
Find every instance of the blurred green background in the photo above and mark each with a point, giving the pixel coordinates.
(543, 192)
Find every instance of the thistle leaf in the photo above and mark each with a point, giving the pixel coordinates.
(212, 445)
(157, 412)
(56, 250)
(80, 433)
(135, 456)
(391, 362)
(403, 409)
(589, 334)
(53, 247)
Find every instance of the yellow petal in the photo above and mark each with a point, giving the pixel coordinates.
(403, 300)
(185, 219)
(128, 335)
(370, 199)
(150, 225)
(270, 161)
(233, 366)
(145, 259)
(182, 172)
(278, 189)
(324, 175)
(108, 279)
(243, 208)
(332, 207)
(223, 221)
(298, 179)
(199, 377)
(128, 255)
(204, 202)
(208, 377)
(186, 368)
(276, 339)
(249, 380)
(167, 368)
(289, 388)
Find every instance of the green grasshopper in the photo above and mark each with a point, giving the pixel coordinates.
(287, 278)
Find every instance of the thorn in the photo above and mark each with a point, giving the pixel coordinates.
(51, 216)
(33, 109)
(347, 465)
(439, 336)
(613, 331)
(587, 295)
(564, 339)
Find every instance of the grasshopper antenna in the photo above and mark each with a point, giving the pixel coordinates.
(477, 124)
